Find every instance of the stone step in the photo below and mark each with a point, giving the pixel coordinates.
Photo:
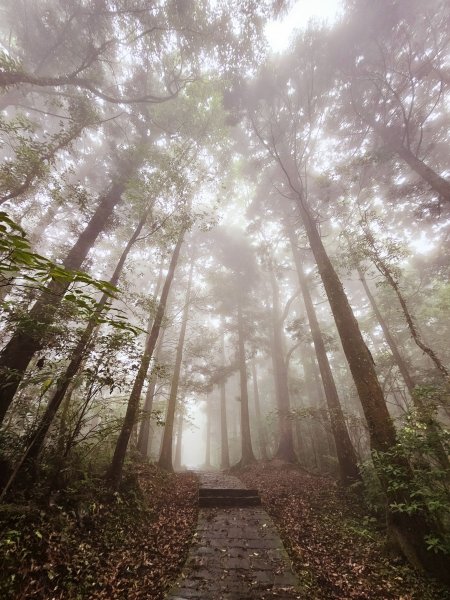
(228, 492)
(227, 498)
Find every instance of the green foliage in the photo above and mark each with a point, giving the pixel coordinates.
(18, 260)
(425, 492)
(8, 64)
(33, 156)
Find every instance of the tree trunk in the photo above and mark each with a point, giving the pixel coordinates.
(18, 352)
(381, 428)
(348, 466)
(259, 423)
(285, 450)
(224, 447)
(208, 433)
(315, 421)
(247, 455)
(437, 183)
(178, 448)
(144, 429)
(35, 446)
(410, 530)
(144, 440)
(165, 459)
(114, 475)
(398, 358)
(385, 270)
(424, 412)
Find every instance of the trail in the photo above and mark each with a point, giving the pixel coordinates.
(236, 552)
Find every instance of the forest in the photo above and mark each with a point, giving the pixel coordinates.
(224, 244)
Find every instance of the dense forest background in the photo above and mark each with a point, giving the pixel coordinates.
(214, 253)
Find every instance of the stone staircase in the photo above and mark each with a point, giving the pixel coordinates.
(236, 552)
(227, 498)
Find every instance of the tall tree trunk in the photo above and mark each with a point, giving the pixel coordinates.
(381, 428)
(348, 466)
(247, 455)
(410, 530)
(386, 271)
(316, 426)
(436, 182)
(259, 423)
(398, 358)
(114, 475)
(424, 412)
(47, 219)
(37, 440)
(144, 440)
(321, 403)
(285, 450)
(208, 433)
(178, 447)
(165, 459)
(24, 343)
(224, 447)
(144, 429)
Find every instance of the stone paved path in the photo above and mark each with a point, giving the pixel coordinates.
(236, 554)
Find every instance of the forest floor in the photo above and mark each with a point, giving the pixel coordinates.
(89, 546)
(336, 549)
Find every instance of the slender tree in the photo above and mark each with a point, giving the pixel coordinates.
(38, 437)
(259, 422)
(285, 449)
(224, 447)
(247, 455)
(165, 458)
(114, 475)
(346, 454)
(25, 341)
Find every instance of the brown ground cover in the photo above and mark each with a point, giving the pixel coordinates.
(336, 548)
(87, 545)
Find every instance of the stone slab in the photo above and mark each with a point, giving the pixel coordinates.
(236, 554)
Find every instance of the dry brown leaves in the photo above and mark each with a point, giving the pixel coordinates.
(126, 548)
(334, 550)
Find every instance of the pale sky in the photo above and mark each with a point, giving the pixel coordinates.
(279, 32)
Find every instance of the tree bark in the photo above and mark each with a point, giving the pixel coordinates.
(224, 447)
(208, 433)
(437, 183)
(423, 411)
(348, 466)
(381, 428)
(114, 474)
(386, 271)
(178, 447)
(144, 429)
(165, 459)
(409, 530)
(144, 440)
(398, 358)
(285, 450)
(24, 343)
(259, 423)
(247, 455)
